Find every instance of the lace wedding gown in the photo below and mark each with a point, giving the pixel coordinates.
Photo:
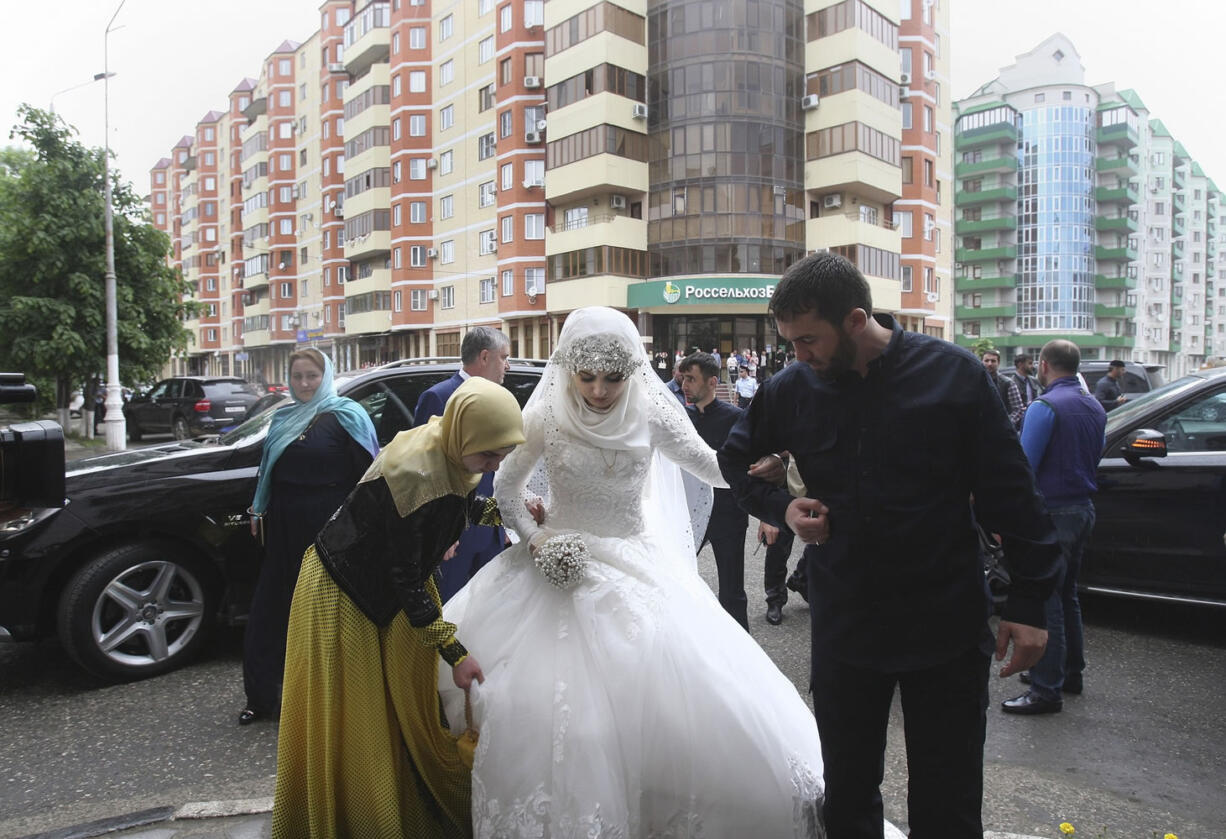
(630, 705)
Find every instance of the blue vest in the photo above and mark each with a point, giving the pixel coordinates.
(1066, 474)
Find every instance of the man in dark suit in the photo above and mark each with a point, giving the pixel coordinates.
(726, 529)
(484, 352)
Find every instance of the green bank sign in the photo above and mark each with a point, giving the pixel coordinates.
(700, 290)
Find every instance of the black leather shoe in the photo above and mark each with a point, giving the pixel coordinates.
(1072, 684)
(1029, 704)
(248, 716)
(800, 585)
(774, 613)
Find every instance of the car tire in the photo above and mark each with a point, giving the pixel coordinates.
(137, 610)
(134, 432)
(180, 429)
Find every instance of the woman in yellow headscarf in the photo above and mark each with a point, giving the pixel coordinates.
(362, 748)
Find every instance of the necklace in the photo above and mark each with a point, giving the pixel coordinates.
(608, 464)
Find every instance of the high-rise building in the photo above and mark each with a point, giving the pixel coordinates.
(1079, 216)
(414, 169)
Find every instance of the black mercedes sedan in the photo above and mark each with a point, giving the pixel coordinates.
(1161, 503)
(153, 547)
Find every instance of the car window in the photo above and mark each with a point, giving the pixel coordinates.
(1124, 414)
(522, 385)
(174, 389)
(1132, 383)
(217, 390)
(193, 390)
(248, 431)
(160, 390)
(1197, 427)
(390, 401)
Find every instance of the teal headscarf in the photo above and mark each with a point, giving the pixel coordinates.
(289, 422)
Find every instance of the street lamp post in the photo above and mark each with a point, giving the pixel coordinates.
(116, 426)
(97, 78)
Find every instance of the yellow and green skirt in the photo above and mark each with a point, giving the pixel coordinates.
(362, 751)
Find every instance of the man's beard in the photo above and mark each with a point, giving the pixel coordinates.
(842, 361)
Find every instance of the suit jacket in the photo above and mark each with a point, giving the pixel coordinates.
(478, 545)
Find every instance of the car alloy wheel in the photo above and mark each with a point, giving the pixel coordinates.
(136, 611)
(180, 429)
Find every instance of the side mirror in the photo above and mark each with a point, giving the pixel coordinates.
(1144, 442)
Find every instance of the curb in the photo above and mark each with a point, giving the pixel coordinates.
(157, 815)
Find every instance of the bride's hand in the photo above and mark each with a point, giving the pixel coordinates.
(464, 673)
(536, 509)
(539, 538)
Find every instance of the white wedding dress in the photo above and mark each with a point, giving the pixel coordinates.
(630, 705)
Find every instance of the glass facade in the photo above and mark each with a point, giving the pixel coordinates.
(726, 157)
(1056, 209)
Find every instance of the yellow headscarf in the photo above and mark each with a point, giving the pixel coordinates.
(425, 463)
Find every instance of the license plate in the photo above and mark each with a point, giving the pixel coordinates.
(239, 410)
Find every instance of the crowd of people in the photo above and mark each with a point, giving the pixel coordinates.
(610, 692)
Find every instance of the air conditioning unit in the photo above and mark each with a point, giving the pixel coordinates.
(431, 163)
(432, 253)
(904, 92)
(832, 200)
(932, 297)
(531, 297)
(904, 78)
(281, 266)
(810, 102)
(532, 82)
(336, 67)
(532, 136)
(339, 212)
(930, 75)
(617, 202)
(535, 182)
(540, 125)
(433, 294)
(640, 111)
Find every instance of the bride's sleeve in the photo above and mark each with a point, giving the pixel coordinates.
(674, 434)
(511, 480)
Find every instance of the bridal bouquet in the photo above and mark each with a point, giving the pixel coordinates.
(563, 560)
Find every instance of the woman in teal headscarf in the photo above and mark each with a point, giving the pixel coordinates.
(316, 451)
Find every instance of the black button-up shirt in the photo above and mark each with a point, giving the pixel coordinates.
(896, 456)
(713, 424)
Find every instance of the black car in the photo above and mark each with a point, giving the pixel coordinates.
(154, 545)
(1137, 378)
(1161, 503)
(187, 406)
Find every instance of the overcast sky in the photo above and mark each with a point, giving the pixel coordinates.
(176, 61)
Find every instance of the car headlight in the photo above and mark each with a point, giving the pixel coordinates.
(15, 520)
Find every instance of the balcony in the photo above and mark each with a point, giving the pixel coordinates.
(1001, 132)
(1121, 134)
(1179, 201)
(1120, 164)
(962, 284)
(983, 167)
(985, 254)
(1103, 311)
(595, 230)
(1178, 225)
(981, 312)
(1117, 224)
(1109, 194)
(1120, 254)
(367, 38)
(848, 228)
(1180, 179)
(1105, 282)
(965, 198)
(986, 224)
(258, 107)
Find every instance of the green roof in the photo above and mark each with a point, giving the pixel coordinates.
(1197, 172)
(982, 106)
(1158, 129)
(1134, 101)
(1180, 151)
(1212, 186)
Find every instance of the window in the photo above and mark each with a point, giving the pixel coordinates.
(534, 13)
(417, 81)
(445, 162)
(907, 171)
(903, 221)
(905, 108)
(285, 98)
(396, 172)
(396, 85)
(417, 256)
(505, 124)
(395, 48)
(284, 67)
(445, 27)
(485, 50)
(488, 290)
(417, 212)
(927, 119)
(504, 18)
(447, 297)
(504, 71)
(534, 226)
(417, 125)
(508, 283)
(396, 260)
(446, 117)
(906, 277)
(534, 171)
(487, 242)
(446, 73)
(446, 252)
(417, 38)
(395, 215)
(417, 169)
(485, 194)
(417, 300)
(287, 226)
(485, 146)
(484, 7)
(446, 206)
(396, 128)
(486, 98)
(508, 228)
(508, 176)
(534, 280)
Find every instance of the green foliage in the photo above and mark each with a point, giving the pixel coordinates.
(983, 345)
(53, 264)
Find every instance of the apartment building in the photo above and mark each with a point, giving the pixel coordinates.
(1080, 216)
(415, 168)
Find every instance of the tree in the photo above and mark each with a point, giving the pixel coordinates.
(983, 345)
(53, 262)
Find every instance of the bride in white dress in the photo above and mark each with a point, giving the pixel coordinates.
(629, 704)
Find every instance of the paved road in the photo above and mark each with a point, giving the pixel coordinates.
(1140, 752)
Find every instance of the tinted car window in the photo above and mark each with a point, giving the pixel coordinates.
(174, 389)
(521, 384)
(220, 389)
(390, 402)
(1198, 427)
(193, 390)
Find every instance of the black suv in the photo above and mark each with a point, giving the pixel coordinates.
(154, 545)
(1137, 378)
(187, 406)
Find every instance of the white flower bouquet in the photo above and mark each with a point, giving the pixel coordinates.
(563, 559)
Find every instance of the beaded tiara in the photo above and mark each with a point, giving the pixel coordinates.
(598, 352)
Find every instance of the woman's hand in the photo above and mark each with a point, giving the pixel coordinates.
(450, 552)
(464, 673)
(255, 526)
